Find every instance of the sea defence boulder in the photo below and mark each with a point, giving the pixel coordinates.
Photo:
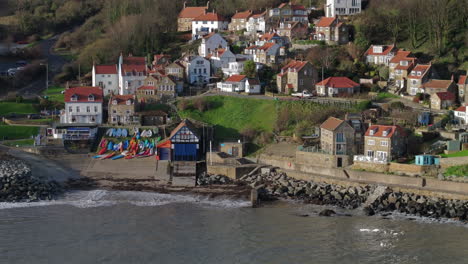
(18, 185)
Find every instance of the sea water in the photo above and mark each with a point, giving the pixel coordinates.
(136, 227)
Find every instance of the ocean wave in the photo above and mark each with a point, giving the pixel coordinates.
(100, 198)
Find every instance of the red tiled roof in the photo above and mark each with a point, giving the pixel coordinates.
(402, 55)
(209, 35)
(267, 46)
(83, 92)
(220, 52)
(106, 69)
(242, 15)
(254, 81)
(461, 109)
(438, 84)
(252, 47)
(446, 96)
(268, 36)
(379, 130)
(133, 68)
(236, 78)
(325, 21)
(338, 82)
(210, 17)
(146, 88)
(332, 123)
(192, 12)
(386, 50)
(122, 99)
(259, 15)
(297, 65)
(293, 7)
(407, 67)
(134, 60)
(422, 68)
(462, 79)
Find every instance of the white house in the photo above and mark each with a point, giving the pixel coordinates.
(461, 114)
(270, 38)
(132, 73)
(198, 69)
(257, 23)
(221, 58)
(208, 23)
(342, 7)
(234, 68)
(106, 77)
(380, 54)
(417, 77)
(83, 105)
(240, 83)
(210, 43)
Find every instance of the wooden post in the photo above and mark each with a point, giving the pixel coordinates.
(254, 197)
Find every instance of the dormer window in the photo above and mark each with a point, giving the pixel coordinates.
(91, 98)
(404, 63)
(129, 102)
(373, 131)
(74, 98)
(377, 49)
(114, 102)
(419, 73)
(386, 132)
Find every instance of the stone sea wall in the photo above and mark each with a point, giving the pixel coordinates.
(18, 185)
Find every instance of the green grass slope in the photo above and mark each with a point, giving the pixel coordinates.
(17, 132)
(19, 108)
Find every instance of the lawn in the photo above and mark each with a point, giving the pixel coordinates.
(385, 95)
(17, 132)
(18, 108)
(231, 115)
(459, 171)
(463, 153)
(55, 93)
(20, 143)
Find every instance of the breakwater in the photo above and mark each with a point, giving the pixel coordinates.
(18, 185)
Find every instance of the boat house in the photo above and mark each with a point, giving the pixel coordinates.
(185, 142)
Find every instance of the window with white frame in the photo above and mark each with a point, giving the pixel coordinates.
(384, 143)
(371, 142)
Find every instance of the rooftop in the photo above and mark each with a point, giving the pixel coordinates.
(106, 69)
(380, 129)
(82, 94)
(332, 123)
(192, 12)
(338, 82)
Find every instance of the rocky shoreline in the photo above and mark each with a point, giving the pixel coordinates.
(371, 198)
(18, 185)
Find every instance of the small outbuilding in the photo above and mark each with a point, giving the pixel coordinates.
(422, 160)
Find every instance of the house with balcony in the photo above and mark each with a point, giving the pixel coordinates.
(83, 105)
(188, 14)
(335, 8)
(132, 71)
(220, 58)
(418, 76)
(240, 83)
(239, 20)
(235, 67)
(257, 23)
(399, 68)
(270, 38)
(208, 23)
(380, 54)
(337, 87)
(297, 76)
(384, 143)
(337, 137)
(122, 110)
(106, 77)
(210, 43)
(197, 70)
(293, 30)
(289, 12)
(269, 53)
(331, 30)
(461, 114)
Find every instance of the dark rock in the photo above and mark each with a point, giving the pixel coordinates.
(369, 211)
(327, 212)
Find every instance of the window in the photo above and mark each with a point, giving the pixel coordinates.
(70, 109)
(77, 109)
(96, 109)
(74, 98)
(301, 82)
(110, 83)
(88, 109)
(91, 98)
(371, 142)
(384, 143)
(114, 111)
(370, 153)
(102, 75)
(108, 76)
(340, 137)
(204, 71)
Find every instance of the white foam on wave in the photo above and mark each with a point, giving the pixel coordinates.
(99, 198)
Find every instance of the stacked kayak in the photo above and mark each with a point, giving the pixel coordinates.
(128, 149)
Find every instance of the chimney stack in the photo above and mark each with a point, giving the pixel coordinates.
(185, 4)
(207, 4)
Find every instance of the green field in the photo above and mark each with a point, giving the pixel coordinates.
(20, 143)
(18, 108)
(463, 153)
(459, 171)
(55, 94)
(17, 132)
(384, 95)
(230, 115)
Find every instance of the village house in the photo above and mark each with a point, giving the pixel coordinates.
(442, 100)
(83, 105)
(153, 118)
(293, 30)
(270, 38)
(437, 86)
(257, 23)
(185, 142)
(289, 12)
(198, 70)
(239, 20)
(208, 23)
(399, 68)
(380, 54)
(332, 31)
(235, 67)
(461, 114)
(335, 8)
(337, 137)
(177, 72)
(337, 87)
(188, 14)
(106, 77)
(420, 74)
(122, 110)
(161, 61)
(356, 120)
(147, 94)
(384, 143)
(132, 72)
(240, 83)
(210, 43)
(221, 58)
(297, 76)
(269, 53)
(463, 89)
(166, 86)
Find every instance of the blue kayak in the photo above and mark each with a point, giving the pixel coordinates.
(124, 132)
(117, 157)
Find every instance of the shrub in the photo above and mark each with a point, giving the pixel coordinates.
(184, 105)
(265, 138)
(201, 104)
(249, 133)
(397, 105)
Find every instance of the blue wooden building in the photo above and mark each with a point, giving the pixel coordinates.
(185, 142)
(427, 160)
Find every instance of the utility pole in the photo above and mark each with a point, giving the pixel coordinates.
(47, 75)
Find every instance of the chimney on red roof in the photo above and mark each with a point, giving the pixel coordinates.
(185, 4)
(207, 4)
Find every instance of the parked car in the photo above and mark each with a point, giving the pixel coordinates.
(12, 71)
(303, 94)
(34, 116)
(21, 63)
